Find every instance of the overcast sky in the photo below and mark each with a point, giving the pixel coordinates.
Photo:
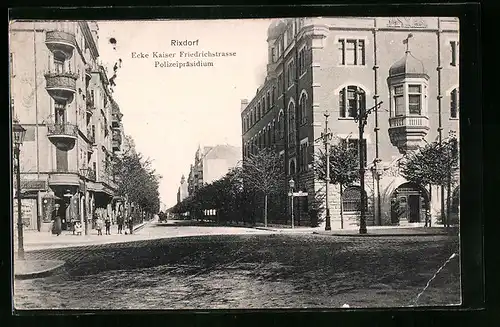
(169, 111)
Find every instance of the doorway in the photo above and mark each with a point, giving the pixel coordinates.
(409, 203)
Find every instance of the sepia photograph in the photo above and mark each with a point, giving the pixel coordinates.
(284, 163)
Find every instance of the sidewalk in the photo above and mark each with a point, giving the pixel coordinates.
(34, 240)
(371, 231)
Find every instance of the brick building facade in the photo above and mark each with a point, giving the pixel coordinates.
(337, 65)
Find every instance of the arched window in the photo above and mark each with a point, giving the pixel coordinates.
(351, 98)
(292, 167)
(281, 125)
(302, 109)
(454, 103)
(351, 199)
(274, 132)
(291, 124)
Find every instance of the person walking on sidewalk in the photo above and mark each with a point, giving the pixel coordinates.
(120, 221)
(56, 225)
(130, 224)
(107, 223)
(99, 225)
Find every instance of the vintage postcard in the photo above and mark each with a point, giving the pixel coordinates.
(308, 162)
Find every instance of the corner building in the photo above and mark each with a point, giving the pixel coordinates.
(60, 94)
(336, 65)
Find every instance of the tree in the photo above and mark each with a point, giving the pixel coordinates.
(137, 180)
(434, 164)
(262, 172)
(344, 168)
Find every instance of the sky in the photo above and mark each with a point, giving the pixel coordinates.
(169, 111)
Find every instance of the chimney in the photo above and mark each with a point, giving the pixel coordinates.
(244, 104)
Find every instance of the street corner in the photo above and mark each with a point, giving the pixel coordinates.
(29, 269)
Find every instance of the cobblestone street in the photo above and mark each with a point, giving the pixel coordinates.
(246, 271)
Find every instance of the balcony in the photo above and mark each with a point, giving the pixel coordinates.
(117, 145)
(60, 41)
(407, 132)
(61, 86)
(90, 105)
(63, 135)
(64, 178)
(115, 120)
(89, 174)
(88, 73)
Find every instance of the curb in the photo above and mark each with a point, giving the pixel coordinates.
(139, 227)
(266, 228)
(42, 273)
(381, 235)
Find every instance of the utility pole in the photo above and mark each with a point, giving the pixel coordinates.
(361, 119)
(326, 137)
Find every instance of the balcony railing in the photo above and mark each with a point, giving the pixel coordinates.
(413, 121)
(62, 41)
(62, 130)
(90, 174)
(61, 85)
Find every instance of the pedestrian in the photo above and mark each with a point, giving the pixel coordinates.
(56, 224)
(130, 224)
(99, 225)
(107, 223)
(119, 221)
(78, 228)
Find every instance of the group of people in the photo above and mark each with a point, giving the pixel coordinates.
(99, 223)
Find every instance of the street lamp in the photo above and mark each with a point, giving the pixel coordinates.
(291, 183)
(18, 137)
(361, 118)
(84, 172)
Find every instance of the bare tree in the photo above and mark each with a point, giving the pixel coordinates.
(262, 172)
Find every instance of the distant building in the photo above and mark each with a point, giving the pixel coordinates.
(182, 191)
(337, 65)
(212, 163)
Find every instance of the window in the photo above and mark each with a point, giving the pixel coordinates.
(58, 62)
(292, 166)
(354, 144)
(351, 199)
(291, 124)
(290, 74)
(302, 61)
(303, 156)
(415, 99)
(454, 103)
(268, 101)
(273, 95)
(274, 56)
(274, 132)
(281, 123)
(399, 103)
(60, 112)
(289, 35)
(454, 53)
(302, 109)
(351, 98)
(352, 52)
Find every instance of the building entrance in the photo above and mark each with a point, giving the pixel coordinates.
(409, 203)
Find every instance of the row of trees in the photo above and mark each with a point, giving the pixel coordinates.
(261, 180)
(137, 180)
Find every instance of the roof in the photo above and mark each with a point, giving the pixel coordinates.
(225, 151)
(408, 65)
(276, 28)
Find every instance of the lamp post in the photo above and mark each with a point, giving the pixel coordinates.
(18, 137)
(361, 118)
(84, 172)
(291, 183)
(326, 137)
